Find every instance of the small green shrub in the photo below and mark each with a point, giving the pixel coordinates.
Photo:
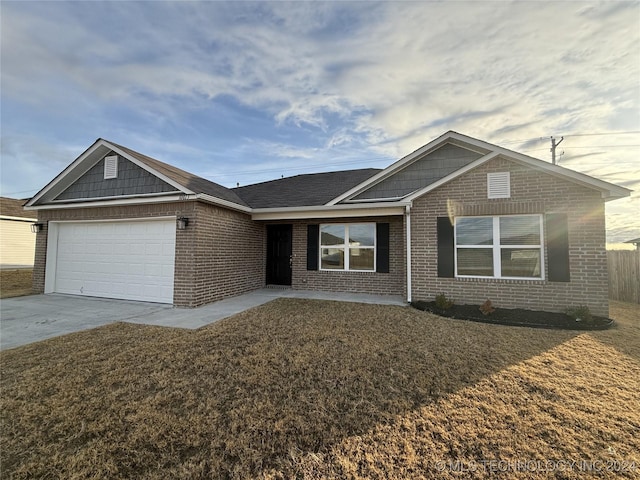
(581, 313)
(487, 308)
(442, 302)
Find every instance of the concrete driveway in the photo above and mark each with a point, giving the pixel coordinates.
(37, 317)
(29, 319)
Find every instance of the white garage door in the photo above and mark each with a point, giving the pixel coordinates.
(131, 260)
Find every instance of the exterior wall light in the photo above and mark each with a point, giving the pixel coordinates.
(182, 223)
(37, 227)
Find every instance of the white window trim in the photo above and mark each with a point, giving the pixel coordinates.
(107, 174)
(496, 247)
(345, 246)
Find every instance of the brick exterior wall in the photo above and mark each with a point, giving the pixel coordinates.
(228, 256)
(531, 192)
(222, 253)
(40, 257)
(392, 283)
(219, 255)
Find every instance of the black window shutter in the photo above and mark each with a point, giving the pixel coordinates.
(445, 247)
(382, 247)
(313, 234)
(557, 247)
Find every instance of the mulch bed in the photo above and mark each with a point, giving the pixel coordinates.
(515, 317)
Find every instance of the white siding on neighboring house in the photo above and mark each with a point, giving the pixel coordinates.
(17, 243)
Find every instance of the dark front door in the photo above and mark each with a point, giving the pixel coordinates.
(279, 254)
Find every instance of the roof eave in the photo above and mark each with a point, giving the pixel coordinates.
(166, 197)
(149, 169)
(62, 175)
(608, 190)
(85, 161)
(223, 203)
(448, 137)
(114, 201)
(377, 209)
(17, 219)
(461, 171)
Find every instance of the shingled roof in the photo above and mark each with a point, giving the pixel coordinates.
(312, 190)
(296, 191)
(189, 180)
(12, 207)
(302, 190)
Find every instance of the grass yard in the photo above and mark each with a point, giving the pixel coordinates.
(15, 282)
(312, 389)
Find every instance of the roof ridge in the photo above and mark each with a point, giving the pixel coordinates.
(181, 176)
(306, 175)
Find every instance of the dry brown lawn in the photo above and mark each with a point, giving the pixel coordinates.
(15, 283)
(312, 389)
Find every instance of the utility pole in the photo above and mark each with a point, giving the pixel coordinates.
(553, 148)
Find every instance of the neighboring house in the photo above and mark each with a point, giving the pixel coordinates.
(635, 242)
(458, 216)
(17, 243)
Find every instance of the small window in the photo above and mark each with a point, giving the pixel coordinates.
(111, 167)
(498, 185)
(348, 247)
(499, 247)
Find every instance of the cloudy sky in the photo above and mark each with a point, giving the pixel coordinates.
(244, 92)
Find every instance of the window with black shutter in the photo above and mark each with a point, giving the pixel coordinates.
(446, 263)
(313, 235)
(558, 247)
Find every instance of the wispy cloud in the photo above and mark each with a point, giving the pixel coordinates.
(305, 83)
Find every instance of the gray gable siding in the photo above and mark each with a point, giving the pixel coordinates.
(189, 180)
(421, 173)
(132, 180)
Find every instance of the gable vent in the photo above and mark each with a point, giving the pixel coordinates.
(498, 185)
(111, 167)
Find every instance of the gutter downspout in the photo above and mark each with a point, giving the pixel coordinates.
(407, 217)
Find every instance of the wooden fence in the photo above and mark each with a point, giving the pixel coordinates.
(624, 275)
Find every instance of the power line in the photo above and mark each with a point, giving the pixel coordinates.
(23, 191)
(377, 159)
(601, 134)
(627, 132)
(370, 160)
(608, 146)
(590, 146)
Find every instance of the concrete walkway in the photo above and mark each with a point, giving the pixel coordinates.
(24, 320)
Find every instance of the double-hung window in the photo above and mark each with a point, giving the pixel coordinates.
(499, 247)
(348, 247)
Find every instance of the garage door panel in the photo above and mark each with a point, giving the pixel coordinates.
(153, 271)
(133, 269)
(93, 249)
(138, 248)
(90, 287)
(167, 271)
(132, 260)
(111, 268)
(65, 249)
(70, 285)
(74, 231)
(157, 290)
(153, 249)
